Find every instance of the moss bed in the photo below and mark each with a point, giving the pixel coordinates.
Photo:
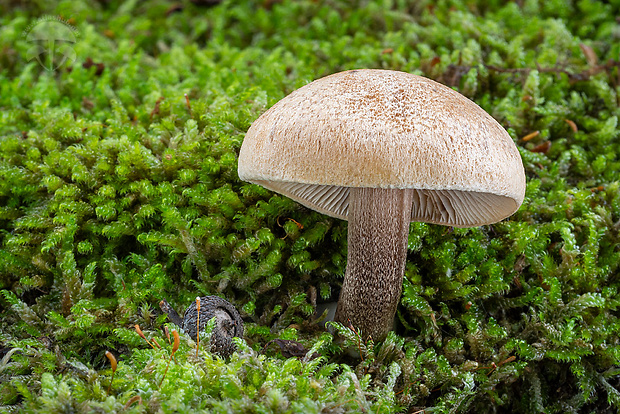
(118, 188)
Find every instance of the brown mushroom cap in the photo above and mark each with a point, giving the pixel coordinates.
(386, 129)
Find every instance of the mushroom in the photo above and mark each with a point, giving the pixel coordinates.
(380, 149)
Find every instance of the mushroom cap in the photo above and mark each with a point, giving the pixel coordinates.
(386, 129)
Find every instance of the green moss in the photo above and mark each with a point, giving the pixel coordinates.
(117, 191)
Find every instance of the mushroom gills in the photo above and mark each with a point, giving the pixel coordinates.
(447, 207)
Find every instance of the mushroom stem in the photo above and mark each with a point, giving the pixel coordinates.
(377, 251)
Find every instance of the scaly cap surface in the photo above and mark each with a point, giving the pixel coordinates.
(386, 129)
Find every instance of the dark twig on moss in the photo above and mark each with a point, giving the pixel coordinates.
(573, 77)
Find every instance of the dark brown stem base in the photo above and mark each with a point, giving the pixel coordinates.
(377, 237)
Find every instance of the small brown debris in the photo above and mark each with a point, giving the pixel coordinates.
(114, 365)
(177, 341)
(572, 125)
(176, 7)
(520, 264)
(206, 3)
(87, 103)
(133, 400)
(453, 74)
(507, 360)
(517, 282)
(166, 331)
(139, 331)
(290, 348)
(268, 4)
(155, 110)
(589, 53)
(189, 106)
(542, 148)
(531, 136)
(90, 63)
(112, 360)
